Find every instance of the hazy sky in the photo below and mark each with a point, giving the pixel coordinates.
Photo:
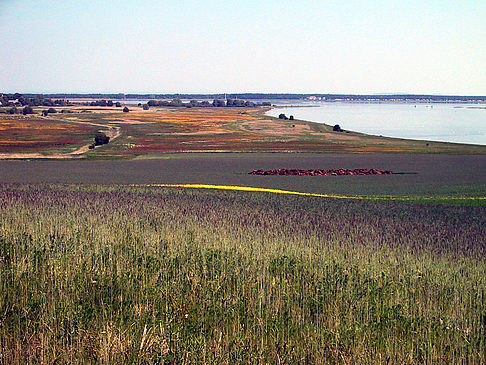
(436, 47)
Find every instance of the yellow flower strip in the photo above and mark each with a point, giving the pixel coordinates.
(334, 196)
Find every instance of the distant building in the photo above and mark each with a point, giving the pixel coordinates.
(314, 98)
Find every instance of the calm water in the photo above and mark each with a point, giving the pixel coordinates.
(461, 123)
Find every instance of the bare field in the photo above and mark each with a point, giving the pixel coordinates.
(415, 174)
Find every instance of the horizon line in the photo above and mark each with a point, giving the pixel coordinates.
(248, 93)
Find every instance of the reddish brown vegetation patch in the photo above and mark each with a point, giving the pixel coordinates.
(23, 134)
(319, 172)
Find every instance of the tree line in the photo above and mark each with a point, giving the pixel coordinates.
(216, 103)
(273, 96)
(16, 100)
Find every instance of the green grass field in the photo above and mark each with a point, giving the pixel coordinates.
(120, 274)
(145, 253)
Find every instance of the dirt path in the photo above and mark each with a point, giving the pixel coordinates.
(111, 131)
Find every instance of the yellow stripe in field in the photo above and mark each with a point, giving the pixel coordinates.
(335, 196)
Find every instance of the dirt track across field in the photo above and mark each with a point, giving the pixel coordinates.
(111, 131)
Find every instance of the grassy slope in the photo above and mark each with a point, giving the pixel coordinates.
(112, 274)
(163, 130)
(257, 136)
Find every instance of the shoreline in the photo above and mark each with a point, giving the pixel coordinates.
(424, 139)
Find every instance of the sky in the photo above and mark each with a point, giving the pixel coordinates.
(184, 46)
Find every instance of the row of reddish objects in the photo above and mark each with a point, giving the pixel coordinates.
(320, 172)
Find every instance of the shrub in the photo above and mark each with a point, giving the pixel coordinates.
(337, 128)
(101, 139)
(282, 116)
(51, 110)
(28, 110)
(291, 117)
(145, 107)
(126, 110)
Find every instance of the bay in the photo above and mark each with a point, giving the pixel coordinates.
(446, 122)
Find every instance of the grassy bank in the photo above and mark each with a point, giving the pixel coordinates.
(162, 130)
(143, 274)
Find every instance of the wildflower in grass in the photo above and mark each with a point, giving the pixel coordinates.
(478, 199)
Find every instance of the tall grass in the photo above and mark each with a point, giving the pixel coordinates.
(147, 275)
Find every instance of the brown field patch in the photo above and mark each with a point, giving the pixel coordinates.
(129, 121)
(17, 135)
(280, 128)
(196, 133)
(186, 116)
(272, 127)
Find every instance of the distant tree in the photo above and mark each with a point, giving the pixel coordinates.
(101, 139)
(12, 110)
(218, 103)
(175, 102)
(118, 104)
(38, 100)
(45, 112)
(4, 100)
(22, 101)
(109, 103)
(28, 110)
(282, 116)
(291, 117)
(238, 103)
(17, 96)
(61, 102)
(126, 110)
(145, 107)
(337, 128)
(51, 110)
(139, 104)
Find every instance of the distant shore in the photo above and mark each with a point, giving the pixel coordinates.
(415, 98)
